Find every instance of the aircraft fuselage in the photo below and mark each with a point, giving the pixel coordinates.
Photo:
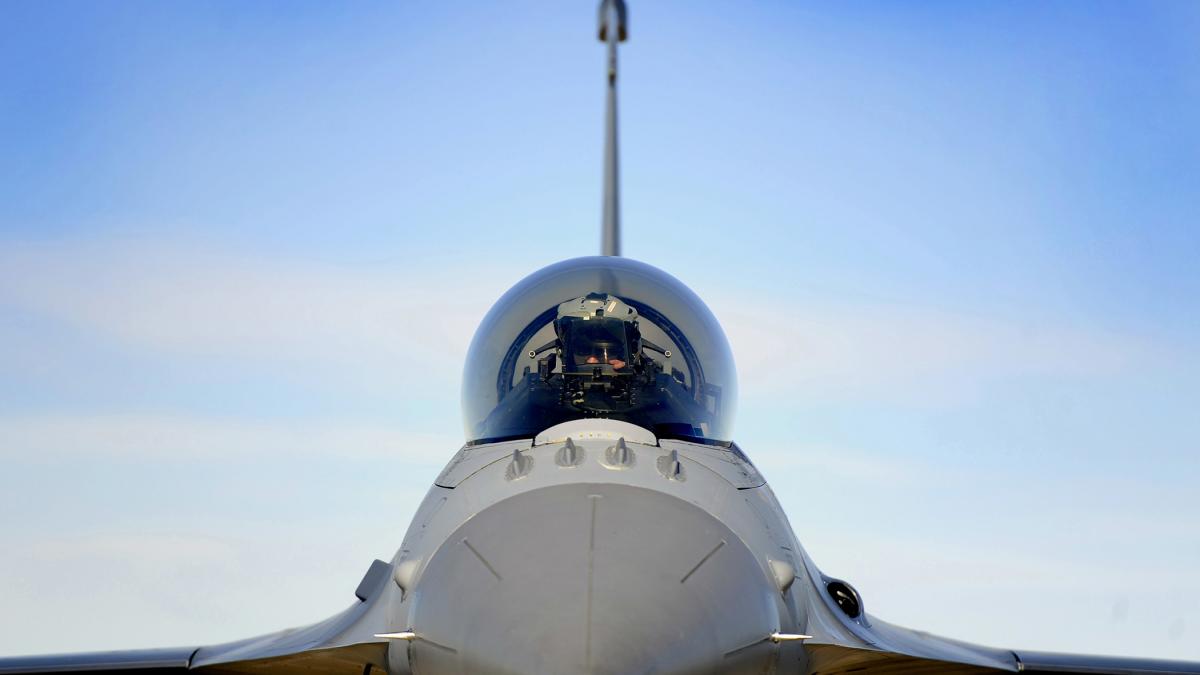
(597, 548)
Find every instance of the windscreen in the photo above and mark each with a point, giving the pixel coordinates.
(602, 337)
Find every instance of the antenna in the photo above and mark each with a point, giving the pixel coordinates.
(613, 29)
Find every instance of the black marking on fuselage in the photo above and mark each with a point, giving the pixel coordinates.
(482, 560)
(703, 560)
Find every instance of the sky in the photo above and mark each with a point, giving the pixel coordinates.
(244, 247)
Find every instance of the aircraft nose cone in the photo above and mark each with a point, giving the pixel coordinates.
(591, 578)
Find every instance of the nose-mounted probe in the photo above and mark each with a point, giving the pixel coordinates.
(613, 28)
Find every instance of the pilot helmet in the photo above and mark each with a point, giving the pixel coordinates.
(597, 333)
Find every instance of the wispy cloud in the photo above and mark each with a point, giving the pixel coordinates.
(140, 589)
(864, 349)
(190, 437)
(843, 464)
(144, 549)
(187, 299)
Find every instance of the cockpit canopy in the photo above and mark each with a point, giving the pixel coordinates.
(600, 337)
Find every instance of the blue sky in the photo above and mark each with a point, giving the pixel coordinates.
(243, 249)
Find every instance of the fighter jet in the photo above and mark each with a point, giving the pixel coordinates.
(599, 518)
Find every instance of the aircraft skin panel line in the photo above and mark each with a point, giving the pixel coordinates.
(593, 505)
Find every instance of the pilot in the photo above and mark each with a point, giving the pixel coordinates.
(614, 362)
(596, 330)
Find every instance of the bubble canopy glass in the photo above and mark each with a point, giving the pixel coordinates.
(599, 337)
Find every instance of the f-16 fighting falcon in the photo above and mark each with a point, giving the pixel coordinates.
(599, 518)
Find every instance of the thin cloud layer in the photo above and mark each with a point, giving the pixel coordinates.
(171, 297)
(183, 437)
(178, 298)
(860, 350)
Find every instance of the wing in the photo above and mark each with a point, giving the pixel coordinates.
(1049, 662)
(343, 643)
(846, 639)
(903, 651)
